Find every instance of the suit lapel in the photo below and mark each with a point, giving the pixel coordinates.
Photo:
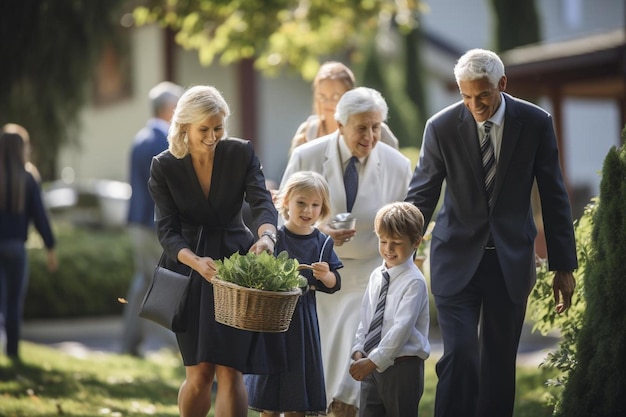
(510, 137)
(468, 138)
(332, 171)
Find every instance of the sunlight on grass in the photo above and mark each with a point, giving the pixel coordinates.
(49, 382)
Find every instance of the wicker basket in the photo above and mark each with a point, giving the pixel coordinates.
(251, 309)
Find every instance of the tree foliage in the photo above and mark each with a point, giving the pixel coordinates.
(280, 34)
(516, 24)
(597, 382)
(541, 309)
(48, 51)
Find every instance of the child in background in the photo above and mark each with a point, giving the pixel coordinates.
(303, 202)
(391, 342)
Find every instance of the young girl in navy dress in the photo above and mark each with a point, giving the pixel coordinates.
(299, 391)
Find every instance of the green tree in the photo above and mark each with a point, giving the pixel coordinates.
(48, 52)
(516, 24)
(297, 35)
(597, 381)
(279, 34)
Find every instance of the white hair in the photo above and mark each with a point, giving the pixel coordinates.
(479, 63)
(360, 100)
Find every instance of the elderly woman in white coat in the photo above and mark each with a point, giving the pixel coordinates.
(383, 177)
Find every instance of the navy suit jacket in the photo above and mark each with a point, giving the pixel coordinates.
(149, 142)
(450, 152)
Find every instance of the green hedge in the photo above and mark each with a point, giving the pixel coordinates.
(95, 269)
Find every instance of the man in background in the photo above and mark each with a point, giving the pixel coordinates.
(149, 141)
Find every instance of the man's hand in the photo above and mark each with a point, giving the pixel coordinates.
(563, 286)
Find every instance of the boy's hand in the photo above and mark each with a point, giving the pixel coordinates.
(361, 368)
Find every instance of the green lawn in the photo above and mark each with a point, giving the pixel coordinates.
(50, 383)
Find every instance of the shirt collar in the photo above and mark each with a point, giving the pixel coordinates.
(398, 269)
(345, 152)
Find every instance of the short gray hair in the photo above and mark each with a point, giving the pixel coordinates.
(360, 100)
(479, 63)
(163, 95)
(197, 104)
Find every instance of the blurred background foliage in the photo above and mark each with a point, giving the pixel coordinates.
(50, 51)
(95, 269)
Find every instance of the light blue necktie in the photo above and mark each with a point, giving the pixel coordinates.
(351, 183)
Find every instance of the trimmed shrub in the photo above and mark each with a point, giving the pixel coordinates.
(95, 269)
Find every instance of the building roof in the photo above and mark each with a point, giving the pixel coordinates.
(592, 66)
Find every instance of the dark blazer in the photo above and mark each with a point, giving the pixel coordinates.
(181, 206)
(148, 142)
(450, 152)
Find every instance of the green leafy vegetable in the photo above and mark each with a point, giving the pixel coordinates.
(261, 272)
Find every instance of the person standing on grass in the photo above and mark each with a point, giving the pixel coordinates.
(489, 148)
(363, 175)
(20, 205)
(149, 141)
(200, 183)
(391, 343)
(300, 391)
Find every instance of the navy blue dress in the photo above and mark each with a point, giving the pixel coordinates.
(180, 209)
(301, 387)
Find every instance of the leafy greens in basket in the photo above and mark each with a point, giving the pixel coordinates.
(261, 272)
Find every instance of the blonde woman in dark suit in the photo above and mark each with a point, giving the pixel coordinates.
(202, 181)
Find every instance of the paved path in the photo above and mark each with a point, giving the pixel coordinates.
(83, 335)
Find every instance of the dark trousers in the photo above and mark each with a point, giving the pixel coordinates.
(481, 328)
(13, 284)
(395, 392)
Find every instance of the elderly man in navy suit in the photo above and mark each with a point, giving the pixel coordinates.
(148, 142)
(489, 148)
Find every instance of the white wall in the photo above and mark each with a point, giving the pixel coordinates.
(108, 130)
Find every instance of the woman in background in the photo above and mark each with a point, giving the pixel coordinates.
(333, 79)
(20, 204)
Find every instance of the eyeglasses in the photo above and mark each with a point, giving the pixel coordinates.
(323, 98)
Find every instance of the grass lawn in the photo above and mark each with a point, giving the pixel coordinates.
(49, 383)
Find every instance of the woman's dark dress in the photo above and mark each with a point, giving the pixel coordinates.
(301, 387)
(180, 209)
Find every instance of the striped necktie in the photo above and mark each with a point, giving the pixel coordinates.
(376, 326)
(489, 161)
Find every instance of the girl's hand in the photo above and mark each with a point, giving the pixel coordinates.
(320, 269)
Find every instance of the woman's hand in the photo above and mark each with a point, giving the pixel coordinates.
(206, 267)
(203, 265)
(267, 239)
(264, 244)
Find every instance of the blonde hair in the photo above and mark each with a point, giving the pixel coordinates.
(400, 219)
(333, 70)
(302, 182)
(195, 105)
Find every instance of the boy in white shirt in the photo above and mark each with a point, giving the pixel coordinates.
(391, 345)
